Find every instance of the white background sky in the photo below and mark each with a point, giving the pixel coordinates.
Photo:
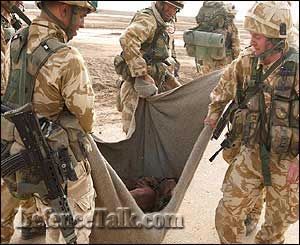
(191, 8)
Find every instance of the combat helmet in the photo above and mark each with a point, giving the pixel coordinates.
(83, 4)
(269, 18)
(177, 4)
(75, 5)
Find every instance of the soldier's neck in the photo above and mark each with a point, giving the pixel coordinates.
(272, 58)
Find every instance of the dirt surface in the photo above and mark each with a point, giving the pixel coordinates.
(98, 45)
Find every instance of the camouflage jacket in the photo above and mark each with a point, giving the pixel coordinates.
(3, 51)
(63, 81)
(5, 23)
(235, 39)
(142, 30)
(239, 71)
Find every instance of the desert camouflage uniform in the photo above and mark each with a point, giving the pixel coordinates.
(243, 184)
(63, 81)
(5, 22)
(140, 31)
(10, 204)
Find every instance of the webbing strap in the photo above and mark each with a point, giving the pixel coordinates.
(265, 161)
(41, 54)
(20, 91)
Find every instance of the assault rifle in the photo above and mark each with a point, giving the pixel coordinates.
(55, 166)
(221, 124)
(224, 119)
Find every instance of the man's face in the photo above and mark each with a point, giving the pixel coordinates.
(169, 11)
(79, 16)
(79, 23)
(259, 43)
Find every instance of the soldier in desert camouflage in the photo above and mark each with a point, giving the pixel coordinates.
(10, 204)
(146, 61)
(7, 31)
(223, 22)
(62, 92)
(265, 127)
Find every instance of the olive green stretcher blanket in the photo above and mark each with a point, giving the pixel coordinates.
(166, 139)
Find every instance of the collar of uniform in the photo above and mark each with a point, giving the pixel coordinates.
(44, 28)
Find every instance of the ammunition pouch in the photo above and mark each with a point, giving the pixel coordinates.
(236, 133)
(122, 68)
(24, 177)
(78, 140)
(284, 140)
(285, 131)
(285, 113)
(251, 129)
(66, 139)
(160, 72)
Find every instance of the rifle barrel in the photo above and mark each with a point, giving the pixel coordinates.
(17, 11)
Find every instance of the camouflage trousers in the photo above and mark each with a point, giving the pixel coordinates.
(9, 209)
(81, 198)
(128, 102)
(241, 189)
(253, 217)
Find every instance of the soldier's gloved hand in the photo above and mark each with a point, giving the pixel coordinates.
(145, 86)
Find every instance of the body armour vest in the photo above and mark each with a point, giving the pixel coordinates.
(282, 123)
(158, 49)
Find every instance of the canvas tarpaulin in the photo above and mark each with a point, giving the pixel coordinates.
(166, 139)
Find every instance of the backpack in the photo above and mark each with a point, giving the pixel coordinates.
(211, 16)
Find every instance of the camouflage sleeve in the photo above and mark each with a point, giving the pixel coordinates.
(224, 91)
(3, 70)
(141, 29)
(77, 90)
(236, 46)
(297, 82)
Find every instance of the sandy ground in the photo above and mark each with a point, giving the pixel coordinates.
(99, 45)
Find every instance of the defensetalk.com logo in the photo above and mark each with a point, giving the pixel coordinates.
(122, 218)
